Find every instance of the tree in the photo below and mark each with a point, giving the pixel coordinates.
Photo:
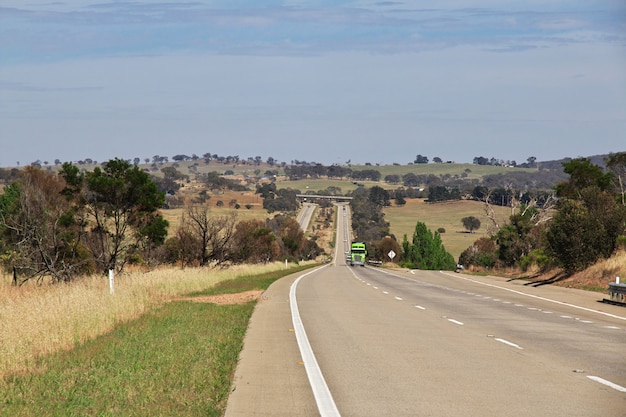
(426, 251)
(419, 159)
(616, 164)
(585, 230)
(583, 174)
(471, 223)
(41, 232)
(208, 237)
(254, 242)
(121, 199)
(379, 196)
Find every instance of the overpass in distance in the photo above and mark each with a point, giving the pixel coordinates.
(313, 197)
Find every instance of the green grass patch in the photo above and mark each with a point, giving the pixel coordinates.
(250, 282)
(177, 360)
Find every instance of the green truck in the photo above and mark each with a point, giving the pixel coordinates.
(358, 253)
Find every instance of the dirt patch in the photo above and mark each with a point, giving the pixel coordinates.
(237, 298)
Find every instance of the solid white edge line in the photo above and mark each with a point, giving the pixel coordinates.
(324, 399)
(536, 296)
(607, 383)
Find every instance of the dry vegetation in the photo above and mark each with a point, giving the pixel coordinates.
(594, 278)
(37, 320)
(446, 215)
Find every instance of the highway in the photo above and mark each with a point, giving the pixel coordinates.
(431, 343)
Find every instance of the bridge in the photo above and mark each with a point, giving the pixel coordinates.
(313, 197)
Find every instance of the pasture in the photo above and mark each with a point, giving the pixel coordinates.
(446, 215)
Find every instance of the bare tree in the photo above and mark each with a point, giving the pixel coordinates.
(46, 234)
(212, 234)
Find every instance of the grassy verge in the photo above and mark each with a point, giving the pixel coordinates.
(176, 359)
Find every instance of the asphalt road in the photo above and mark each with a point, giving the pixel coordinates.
(430, 343)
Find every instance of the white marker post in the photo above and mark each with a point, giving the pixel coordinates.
(111, 286)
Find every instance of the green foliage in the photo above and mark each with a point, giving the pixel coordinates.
(583, 174)
(471, 223)
(379, 196)
(368, 220)
(441, 193)
(121, 196)
(426, 251)
(535, 257)
(483, 253)
(585, 230)
(214, 181)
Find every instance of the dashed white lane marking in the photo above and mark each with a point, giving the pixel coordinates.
(607, 383)
(385, 292)
(398, 298)
(420, 307)
(455, 322)
(612, 327)
(506, 342)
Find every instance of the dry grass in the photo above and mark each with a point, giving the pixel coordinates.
(445, 215)
(594, 278)
(37, 320)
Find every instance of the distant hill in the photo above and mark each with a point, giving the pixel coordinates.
(558, 164)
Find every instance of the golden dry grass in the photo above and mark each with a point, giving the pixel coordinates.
(37, 320)
(597, 276)
(445, 215)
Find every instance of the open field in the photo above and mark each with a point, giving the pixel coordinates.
(445, 215)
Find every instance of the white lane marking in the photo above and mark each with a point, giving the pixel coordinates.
(398, 298)
(455, 322)
(537, 297)
(324, 399)
(607, 383)
(611, 327)
(506, 342)
(566, 317)
(385, 292)
(375, 288)
(420, 307)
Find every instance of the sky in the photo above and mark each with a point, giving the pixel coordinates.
(322, 81)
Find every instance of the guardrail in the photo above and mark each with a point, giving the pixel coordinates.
(617, 293)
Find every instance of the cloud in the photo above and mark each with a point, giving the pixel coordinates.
(83, 29)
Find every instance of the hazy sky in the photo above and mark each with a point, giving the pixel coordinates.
(324, 81)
